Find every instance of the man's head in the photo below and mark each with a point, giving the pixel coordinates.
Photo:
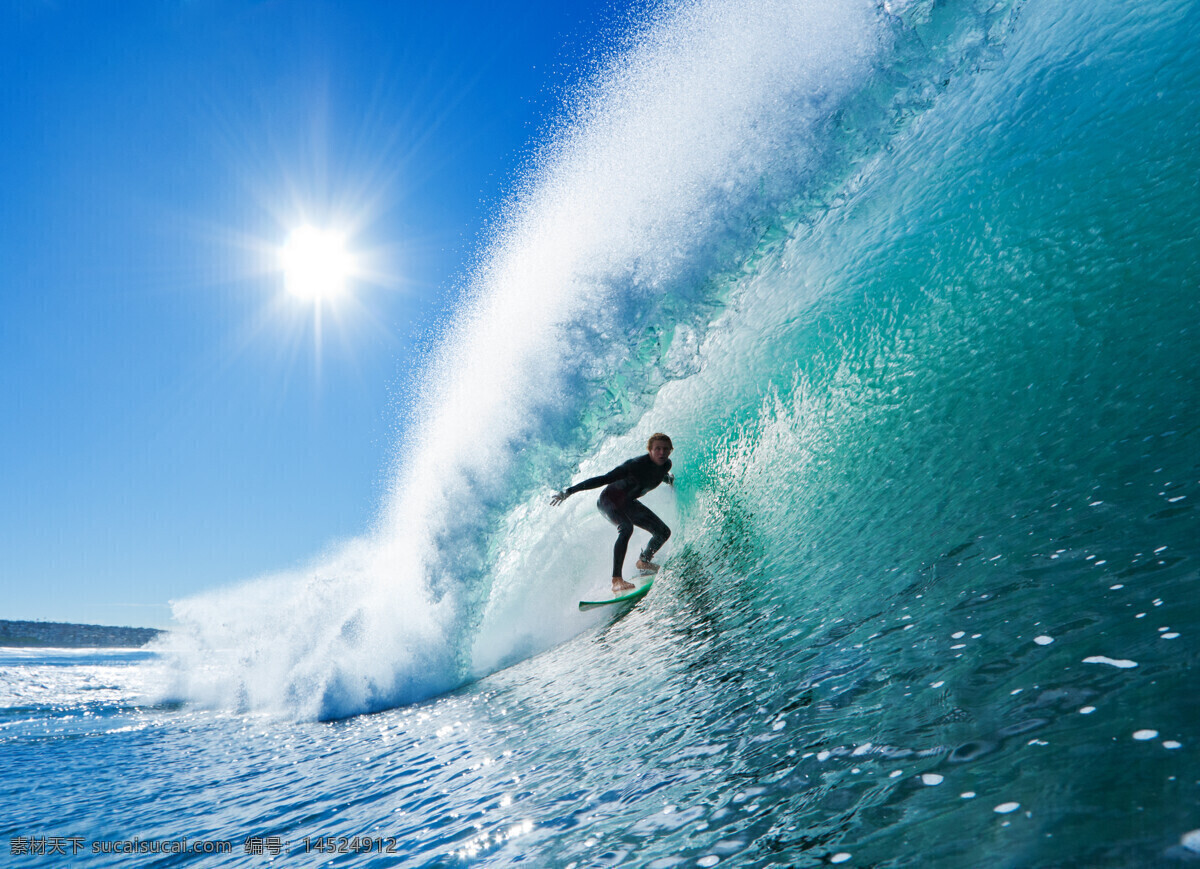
(659, 446)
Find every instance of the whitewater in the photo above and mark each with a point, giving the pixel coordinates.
(913, 287)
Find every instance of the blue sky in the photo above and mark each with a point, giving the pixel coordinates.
(174, 420)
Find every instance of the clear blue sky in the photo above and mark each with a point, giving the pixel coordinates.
(170, 418)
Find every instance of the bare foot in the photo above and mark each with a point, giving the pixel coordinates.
(620, 585)
(647, 566)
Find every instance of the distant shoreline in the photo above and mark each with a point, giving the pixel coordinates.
(68, 636)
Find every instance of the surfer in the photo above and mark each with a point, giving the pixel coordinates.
(623, 485)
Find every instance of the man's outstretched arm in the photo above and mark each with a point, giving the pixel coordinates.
(590, 483)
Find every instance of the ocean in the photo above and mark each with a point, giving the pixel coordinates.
(915, 289)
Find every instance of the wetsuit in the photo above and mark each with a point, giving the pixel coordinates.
(618, 502)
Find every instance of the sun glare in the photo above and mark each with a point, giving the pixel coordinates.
(315, 263)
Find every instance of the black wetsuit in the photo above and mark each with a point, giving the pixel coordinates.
(618, 502)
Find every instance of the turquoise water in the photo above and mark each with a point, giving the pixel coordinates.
(914, 290)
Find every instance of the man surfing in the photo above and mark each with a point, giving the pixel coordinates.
(619, 503)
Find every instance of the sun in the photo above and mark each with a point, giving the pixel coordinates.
(316, 264)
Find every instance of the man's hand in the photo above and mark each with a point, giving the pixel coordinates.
(669, 479)
(559, 497)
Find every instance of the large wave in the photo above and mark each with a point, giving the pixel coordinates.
(691, 138)
(828, 249)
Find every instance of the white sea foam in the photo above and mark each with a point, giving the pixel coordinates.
(1120, 663)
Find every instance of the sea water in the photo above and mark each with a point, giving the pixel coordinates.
(914, 289)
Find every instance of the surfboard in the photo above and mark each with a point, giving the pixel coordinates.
(628, 597)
